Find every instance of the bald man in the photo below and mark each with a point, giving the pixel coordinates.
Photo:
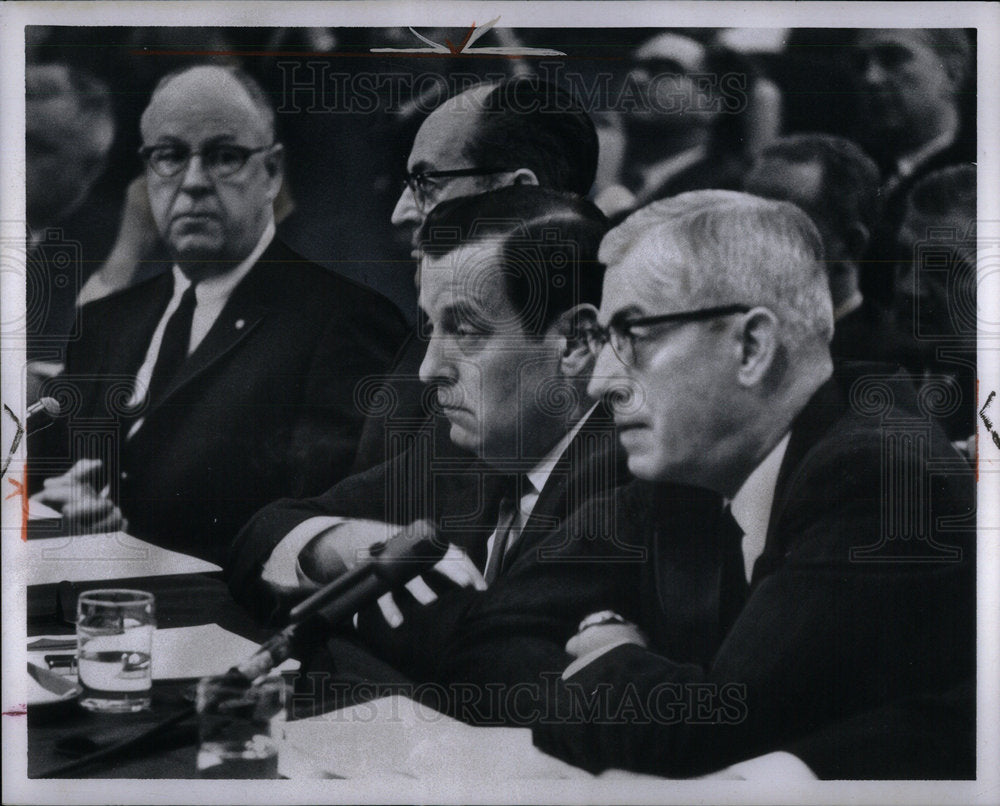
(229, 381)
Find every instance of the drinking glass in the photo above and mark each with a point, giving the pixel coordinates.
(114, 631)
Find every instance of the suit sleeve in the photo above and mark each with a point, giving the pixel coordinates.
(359, 341)
(499, 651)
(826, 634)
(926, 737)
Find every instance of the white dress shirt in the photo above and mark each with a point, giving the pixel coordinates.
(211, 295)
(751, 509)
(280, 569)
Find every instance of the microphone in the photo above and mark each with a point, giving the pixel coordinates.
(47, 404)
(410, 552)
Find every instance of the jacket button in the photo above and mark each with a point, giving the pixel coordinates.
(124, 475)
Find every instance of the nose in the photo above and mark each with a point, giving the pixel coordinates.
(405, 211)
(435, 367)
(607, 375)
(195, 178)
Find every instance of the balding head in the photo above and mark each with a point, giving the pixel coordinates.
(520, 131)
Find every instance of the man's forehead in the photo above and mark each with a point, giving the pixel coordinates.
(878, 37)
(207, 100)
(468, 275)
(647, 280)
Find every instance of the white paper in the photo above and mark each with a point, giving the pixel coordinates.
(396, 737)
(85, 558)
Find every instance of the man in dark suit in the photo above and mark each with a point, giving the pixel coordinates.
(196, 397)
(910, 85)
(836, 184)
(818, 588)
(508, 281)
(519, 131)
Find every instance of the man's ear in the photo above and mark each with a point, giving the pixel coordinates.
(525, 176)
(274, 164)
(758, 345)
(576, 359)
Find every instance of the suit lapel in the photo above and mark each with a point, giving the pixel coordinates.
(138, 317)
(240, 316)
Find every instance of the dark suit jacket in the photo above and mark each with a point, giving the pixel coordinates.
(516, 629)
(864, 594)
(264, 407)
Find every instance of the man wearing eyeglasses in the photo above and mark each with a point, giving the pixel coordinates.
(834, 575)
(520, 131)
(227, 382)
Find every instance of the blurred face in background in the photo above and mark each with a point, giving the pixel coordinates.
(907, 92)
(63, 154)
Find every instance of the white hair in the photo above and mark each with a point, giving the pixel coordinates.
(733, 248)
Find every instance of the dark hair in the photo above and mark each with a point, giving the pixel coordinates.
(548, 239)
(946, 191)
(257, 95)
(526, 122)
(850, 181)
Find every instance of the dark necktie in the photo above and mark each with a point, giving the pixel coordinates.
(733, 586)
(173, 347)
(510, 508)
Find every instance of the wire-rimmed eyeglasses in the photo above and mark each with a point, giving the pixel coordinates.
(421, 183)
(619, 331)
(220, 160)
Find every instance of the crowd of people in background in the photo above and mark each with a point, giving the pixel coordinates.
(598, 321)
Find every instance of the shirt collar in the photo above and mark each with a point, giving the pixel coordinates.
(539, 474)
(751, 506)
(222, 285)
(908, 163)
(849, 305)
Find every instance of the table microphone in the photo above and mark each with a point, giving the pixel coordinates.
(406, 555)
(48, 405)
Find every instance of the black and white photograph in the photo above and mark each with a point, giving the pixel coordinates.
(470, 402)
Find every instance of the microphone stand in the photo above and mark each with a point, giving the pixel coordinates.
(392, 564)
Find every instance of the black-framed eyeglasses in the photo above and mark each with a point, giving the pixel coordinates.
(421, 183)
(622, 337)
(220, 160)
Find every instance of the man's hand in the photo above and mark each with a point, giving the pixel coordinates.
(83, 507)
(340, 548)
(455, 566)
(596, 638)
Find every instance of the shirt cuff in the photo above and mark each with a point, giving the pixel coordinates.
(279, 570)
(590, 657)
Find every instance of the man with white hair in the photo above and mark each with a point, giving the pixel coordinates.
(819, 586)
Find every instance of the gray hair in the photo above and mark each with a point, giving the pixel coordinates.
(734, 248)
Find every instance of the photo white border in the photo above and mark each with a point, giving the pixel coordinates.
(983, 16)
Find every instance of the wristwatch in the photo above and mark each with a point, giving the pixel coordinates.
(599, 618)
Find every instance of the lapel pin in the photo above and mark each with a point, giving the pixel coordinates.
(240, 323)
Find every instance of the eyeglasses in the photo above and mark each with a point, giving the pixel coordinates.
(421, 183)
(622, 337)
(221, 160)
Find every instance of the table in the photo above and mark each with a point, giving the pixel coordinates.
(182, 601)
